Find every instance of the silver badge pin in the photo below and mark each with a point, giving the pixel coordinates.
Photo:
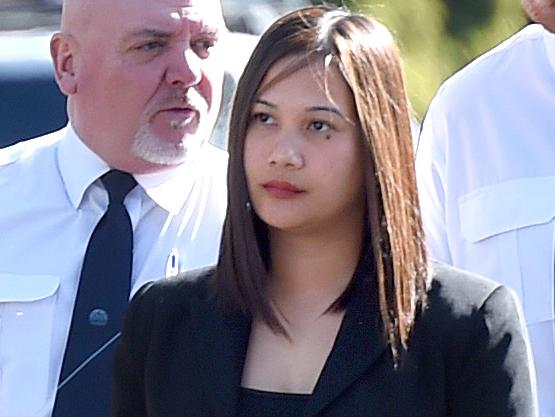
(172, 265)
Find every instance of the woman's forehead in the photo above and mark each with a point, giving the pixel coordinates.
(320, 66)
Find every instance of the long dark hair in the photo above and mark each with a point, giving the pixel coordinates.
(369, 61)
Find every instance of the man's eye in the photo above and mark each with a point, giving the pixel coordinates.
(207, 44)
(150, 46)
(202, 47)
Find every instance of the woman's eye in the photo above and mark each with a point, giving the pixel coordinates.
(263, 118)
(320, 126)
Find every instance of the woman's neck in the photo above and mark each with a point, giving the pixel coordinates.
(312, 270)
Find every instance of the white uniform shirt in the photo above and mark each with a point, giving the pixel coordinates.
(50, 202)
(486, 176)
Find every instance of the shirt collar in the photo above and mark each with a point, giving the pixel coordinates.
(80, 167)
(170, 188)
(549, 40)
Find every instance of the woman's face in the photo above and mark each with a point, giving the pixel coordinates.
(303, 152)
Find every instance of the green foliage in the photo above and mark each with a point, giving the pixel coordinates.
(438, 37)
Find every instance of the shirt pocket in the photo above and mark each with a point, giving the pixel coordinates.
(508, 234)
(27, 304)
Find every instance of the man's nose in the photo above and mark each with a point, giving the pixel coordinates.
(184, 68)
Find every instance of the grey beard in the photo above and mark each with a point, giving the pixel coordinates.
(151, 149)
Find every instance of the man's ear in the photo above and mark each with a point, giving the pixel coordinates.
(62, 50)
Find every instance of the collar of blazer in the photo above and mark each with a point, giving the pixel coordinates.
(359, 343)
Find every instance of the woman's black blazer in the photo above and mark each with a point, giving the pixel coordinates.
(181, 356)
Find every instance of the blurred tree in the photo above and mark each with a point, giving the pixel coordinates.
(438, 37)
(464, 16)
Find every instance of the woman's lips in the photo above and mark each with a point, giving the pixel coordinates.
(281, 189)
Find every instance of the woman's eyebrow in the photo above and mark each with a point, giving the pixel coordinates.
(326, 109)
(265, 103)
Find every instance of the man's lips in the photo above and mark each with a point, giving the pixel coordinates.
(178, 116)
(281, 189)
(184, 111)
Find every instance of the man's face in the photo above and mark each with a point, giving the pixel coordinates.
(541, 11)
(148, 80)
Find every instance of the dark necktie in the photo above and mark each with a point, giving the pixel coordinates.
(85, 381)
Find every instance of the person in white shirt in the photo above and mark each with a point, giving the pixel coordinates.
(143, 80)
(486, 176)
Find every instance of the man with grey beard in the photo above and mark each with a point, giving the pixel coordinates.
(143, 80)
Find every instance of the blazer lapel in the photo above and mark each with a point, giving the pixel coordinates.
(222, 347)
(360, 342)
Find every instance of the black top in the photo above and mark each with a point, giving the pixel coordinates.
(180, 355)
(253, 402)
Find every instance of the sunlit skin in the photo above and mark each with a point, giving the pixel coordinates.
(541, 11)
(303, 161)
(303, 153)
(143, 80)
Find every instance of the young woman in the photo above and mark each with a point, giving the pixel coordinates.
(323, 302)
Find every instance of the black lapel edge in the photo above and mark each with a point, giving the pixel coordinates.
(360, 342)
(222, 346)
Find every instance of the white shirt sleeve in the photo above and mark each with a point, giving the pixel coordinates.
(431, 178)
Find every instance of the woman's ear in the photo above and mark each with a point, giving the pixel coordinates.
(62, 50)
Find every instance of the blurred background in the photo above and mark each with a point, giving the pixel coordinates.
(436, 38)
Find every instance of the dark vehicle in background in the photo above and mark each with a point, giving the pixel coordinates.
(31, 104)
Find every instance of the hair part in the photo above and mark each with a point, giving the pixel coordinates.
(368, 59)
